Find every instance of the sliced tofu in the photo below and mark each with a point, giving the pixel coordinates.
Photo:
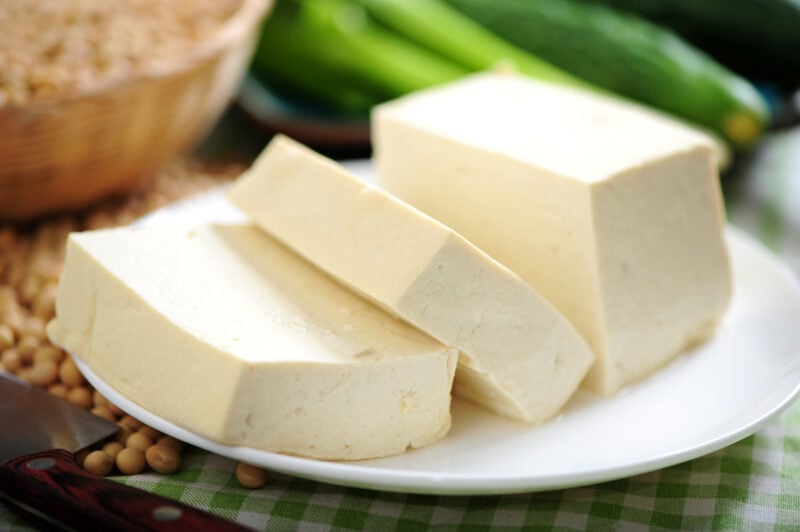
(519, 356)
(613, 214)
(227, 333)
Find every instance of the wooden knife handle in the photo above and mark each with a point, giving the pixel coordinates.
(53, 487)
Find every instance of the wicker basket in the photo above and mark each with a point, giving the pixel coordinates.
(64, 154)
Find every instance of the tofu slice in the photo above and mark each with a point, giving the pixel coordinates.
(612, 213)
(227, 333)
(519, 357)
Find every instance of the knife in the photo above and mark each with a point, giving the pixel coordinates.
(38, 474)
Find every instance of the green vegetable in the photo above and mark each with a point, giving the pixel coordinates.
(629, 56)
(758, 38)
(287, 62)
(447, 31)
(331, 50)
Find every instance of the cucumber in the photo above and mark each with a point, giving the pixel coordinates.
(445, 30)
(629, 56)
(757, 38)
(331, 51)
(284, 59)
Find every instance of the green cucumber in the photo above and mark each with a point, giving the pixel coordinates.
(331, 50)
(631, 57)
(445, 30)
(757, 38)
(285, 62)
(342, 27)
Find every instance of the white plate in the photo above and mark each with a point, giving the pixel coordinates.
(707, 399)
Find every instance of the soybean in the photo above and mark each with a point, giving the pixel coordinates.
(69, 373)
(250, 476)
(130, 461)
(98, 463)
(105, 413)
(11, 360)
(80, 396)
(139, 441)
(112, 449)
(162, 459)
(42, 373)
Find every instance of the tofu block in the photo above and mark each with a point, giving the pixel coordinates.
(227, 333)
(518, 356)
(612, 213)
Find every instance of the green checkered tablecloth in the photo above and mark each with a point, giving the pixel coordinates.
(751, 485)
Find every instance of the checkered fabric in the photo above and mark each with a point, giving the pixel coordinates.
(751, 485)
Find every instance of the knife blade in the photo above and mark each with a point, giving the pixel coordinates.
(38, 474)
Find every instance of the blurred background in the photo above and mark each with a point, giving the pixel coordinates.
(729, 67)
(99, 99)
